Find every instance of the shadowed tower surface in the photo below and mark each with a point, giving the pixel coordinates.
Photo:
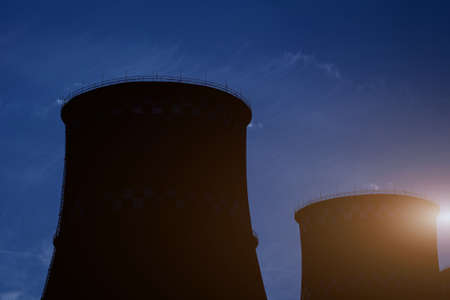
(155, 196)
(445, 283)
(370, 246)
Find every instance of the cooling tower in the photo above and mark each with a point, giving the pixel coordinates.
(155, 196)
(369, 246)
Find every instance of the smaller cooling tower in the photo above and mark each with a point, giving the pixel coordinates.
(369, 246)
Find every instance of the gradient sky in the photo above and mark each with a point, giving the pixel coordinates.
(346, 95)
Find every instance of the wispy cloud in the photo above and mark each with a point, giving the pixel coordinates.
(22, 271)
(330, 69)
(373, 186)
(43, 255)
(13, 295)
(38, 172)
(291, 60)
(16, 253)
(255, 125)
(10, 107)
(43, 111)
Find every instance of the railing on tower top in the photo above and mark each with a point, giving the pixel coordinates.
(155, 78)
(361, 192)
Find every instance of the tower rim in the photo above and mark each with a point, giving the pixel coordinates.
(156, 79)
(361, 194)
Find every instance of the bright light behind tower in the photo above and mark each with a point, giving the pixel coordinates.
(444, 218)
(443, 233)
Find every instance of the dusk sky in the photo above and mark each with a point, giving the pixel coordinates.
(346, 95)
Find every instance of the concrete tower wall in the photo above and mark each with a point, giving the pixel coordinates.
(155, 199)
(444, 279)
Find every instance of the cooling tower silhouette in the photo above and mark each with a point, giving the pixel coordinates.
(155, 196)
(369, 246)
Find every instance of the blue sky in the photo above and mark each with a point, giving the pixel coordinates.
(346, 95)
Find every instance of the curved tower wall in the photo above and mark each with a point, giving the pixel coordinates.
(375, 246)
(155, 196)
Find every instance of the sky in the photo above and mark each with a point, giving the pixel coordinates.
(346, 95)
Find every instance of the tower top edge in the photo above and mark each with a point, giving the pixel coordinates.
(156, 79)
(362, 195)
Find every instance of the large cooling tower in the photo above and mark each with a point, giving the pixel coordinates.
(369, 246)
(155, 196)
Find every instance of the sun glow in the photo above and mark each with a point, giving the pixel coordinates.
(444, 218)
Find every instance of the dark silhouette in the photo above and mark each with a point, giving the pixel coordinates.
(369, 246)
(154, 206)
(155, 196)
(444, 279)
